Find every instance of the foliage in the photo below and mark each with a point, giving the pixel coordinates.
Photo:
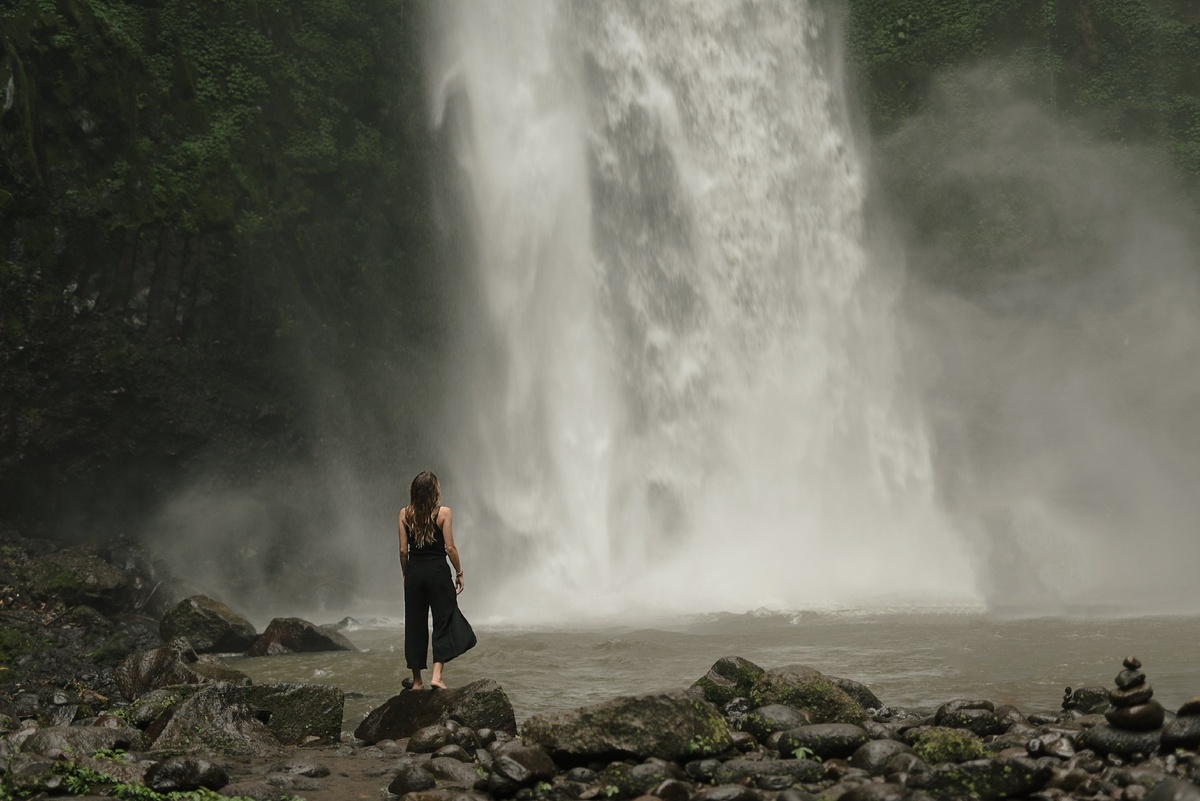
(14, 644)
(111, 755)
(197, 202)
(80, 780)
(804, 752)
(1131, 65)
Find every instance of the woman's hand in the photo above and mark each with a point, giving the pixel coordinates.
(458, 584)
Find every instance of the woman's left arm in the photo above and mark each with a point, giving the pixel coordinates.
(447, 522)
(403, 546)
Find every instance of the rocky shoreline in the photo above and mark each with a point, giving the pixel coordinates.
(109, 687)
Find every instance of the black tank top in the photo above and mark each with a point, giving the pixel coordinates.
(436, 547)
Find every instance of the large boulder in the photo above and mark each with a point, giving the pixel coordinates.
(1108, 739)
(153, 705)
(766, 720)
(807, 688)
(55, 741)
(217, 719)
(859, 692)
(978, 717)
(825, 740)
(291, 635)
(796, 770)
(183, 773)
(173, 664)
(479, 705)
(874, 755)
(77, 577)
(984, 779)
(210, 626)
(670, 726)
(730, 677)
(298, 714)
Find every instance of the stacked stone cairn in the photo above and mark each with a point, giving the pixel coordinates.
(1135, 719)
(1133, 704)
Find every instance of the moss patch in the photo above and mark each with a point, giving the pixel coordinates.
(948, 745)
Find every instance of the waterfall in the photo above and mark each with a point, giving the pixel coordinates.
(681, 383)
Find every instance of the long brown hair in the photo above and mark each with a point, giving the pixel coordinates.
(425, 498)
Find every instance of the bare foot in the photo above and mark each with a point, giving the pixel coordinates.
(417, 686)
(437, 684)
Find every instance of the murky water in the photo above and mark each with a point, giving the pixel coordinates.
(907, 658)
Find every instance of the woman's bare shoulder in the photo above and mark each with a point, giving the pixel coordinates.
(443, 514)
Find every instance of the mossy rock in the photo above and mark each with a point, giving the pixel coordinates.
(670, 726)
(299, 714)
(804, 687)
(15, 644)
(938, 745)
(985, 779)
(152, 706)
(77, 578)
(633, 781)
(209, 625)
(730, 677)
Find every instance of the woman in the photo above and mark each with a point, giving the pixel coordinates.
(426, 540)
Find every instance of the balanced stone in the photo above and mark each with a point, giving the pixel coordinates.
(1131, 697)
(1130, 678)
(1132, 663)
(1141, 717)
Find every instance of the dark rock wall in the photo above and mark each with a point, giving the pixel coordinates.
(202, 208)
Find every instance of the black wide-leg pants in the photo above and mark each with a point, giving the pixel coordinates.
(428, 586)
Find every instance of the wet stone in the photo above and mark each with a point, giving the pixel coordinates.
(412, 780)
(672, 790)
(873, 756)
(766, 720)
(826, 740)
(585, 775)
(453, 751)
(877, 792)
(1131, 697)
(1108, 739)
(1142, 717)
(1130, 678)
(429, 739)
(1183, 732)
(302, 767)
(1173, 790)
(1132, 663)
(702, 770)
(727, 792)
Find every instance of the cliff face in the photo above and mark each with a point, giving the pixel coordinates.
(202, 206)
(199, 203)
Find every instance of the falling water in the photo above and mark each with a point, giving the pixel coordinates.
(682, 383)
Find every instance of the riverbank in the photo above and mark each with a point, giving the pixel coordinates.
(91, 701)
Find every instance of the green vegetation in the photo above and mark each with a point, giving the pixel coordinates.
(804, 752)
(948, 745)
(1132, 67)
(79, 780)
(197, 202)
(15, 644)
